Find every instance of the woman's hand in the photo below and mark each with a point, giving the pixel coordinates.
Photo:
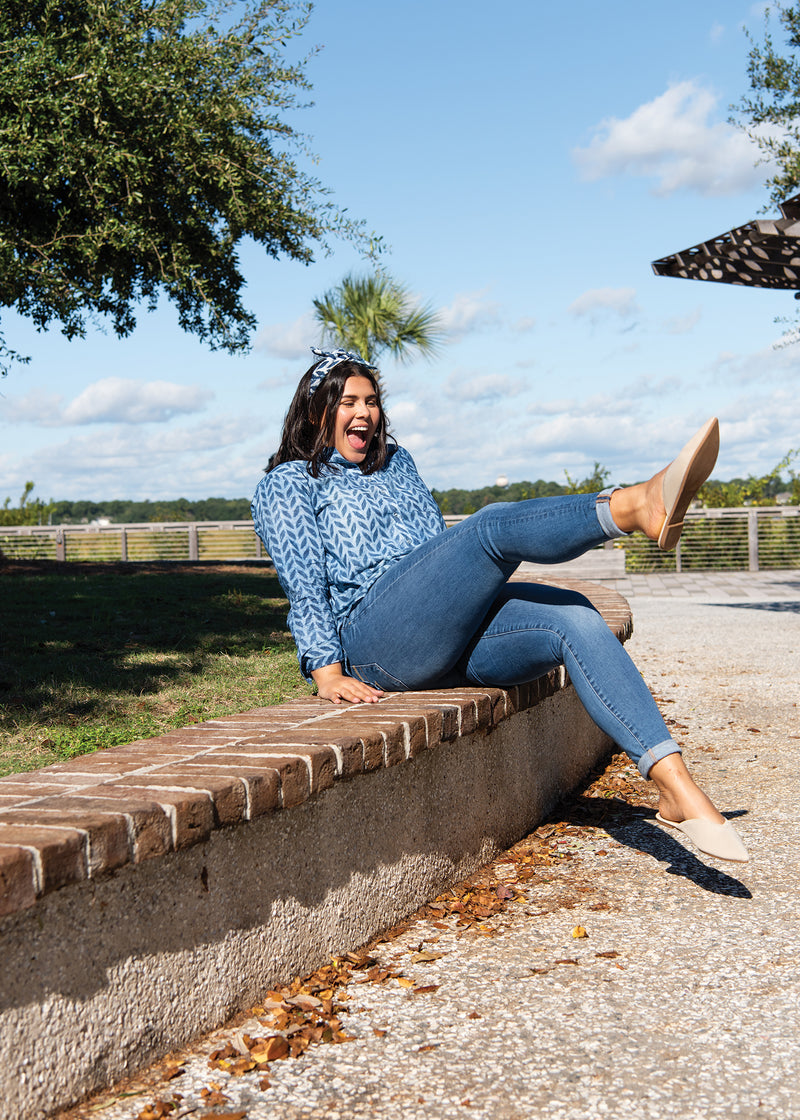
(333, 685)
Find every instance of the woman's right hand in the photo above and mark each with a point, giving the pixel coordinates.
(332, 684)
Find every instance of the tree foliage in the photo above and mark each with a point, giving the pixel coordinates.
(373, 315)
(140, 142)
(31, 511)
(770, 114)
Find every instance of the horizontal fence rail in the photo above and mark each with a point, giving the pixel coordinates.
(748, 539)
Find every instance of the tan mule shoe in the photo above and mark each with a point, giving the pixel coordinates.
(719, 840)
(684, 477)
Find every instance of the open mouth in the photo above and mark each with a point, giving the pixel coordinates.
(358, 436)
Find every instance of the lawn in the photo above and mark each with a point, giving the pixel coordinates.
(92, 655)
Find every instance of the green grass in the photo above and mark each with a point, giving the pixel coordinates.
(96, 655)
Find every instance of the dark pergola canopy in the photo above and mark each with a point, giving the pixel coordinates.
(760, 254)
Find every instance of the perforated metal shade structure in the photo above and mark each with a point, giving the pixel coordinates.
(760, 254)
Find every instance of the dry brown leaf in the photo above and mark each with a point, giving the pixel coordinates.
(404, 982)
(422, 958)
(427, 988)
(379, 1032)
(609, 954)
(579, 931)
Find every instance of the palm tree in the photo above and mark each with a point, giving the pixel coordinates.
(374, 315)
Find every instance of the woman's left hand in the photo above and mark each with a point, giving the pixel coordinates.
(334, 685)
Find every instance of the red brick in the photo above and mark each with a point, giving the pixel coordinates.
(319, 758)
(17, 880)
(150, 827)
(226, 790)
(108, 835)
(62, 852)
(190, 814)
(394, 740)
(373, 747)
(28, 791)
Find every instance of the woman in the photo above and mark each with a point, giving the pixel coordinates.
(383, 599)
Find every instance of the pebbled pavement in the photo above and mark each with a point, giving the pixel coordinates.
(683, 998)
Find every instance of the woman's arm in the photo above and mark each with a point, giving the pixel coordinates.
(284, 519)
(333, 685)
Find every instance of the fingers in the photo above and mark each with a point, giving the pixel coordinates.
(351, 690)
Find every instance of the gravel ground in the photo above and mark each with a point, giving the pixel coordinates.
(681, 1000)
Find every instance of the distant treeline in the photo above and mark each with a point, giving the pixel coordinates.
(121, 511)
(758, 491)
(468, 501)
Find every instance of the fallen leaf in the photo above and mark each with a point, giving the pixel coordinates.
(579, 931)
(423, 958)
(404, 982)
(379, 1032)
(564, 960)
(430, 1046)
(427, 988)
(609, 954)
(474, 1015)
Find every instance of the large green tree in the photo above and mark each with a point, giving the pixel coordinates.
(770, 113)
(140, 142)
(375, 315)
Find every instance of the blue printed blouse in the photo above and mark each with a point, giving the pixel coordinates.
(331, 537)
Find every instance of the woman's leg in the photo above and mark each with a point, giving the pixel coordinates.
(418, 618)
(532, 628)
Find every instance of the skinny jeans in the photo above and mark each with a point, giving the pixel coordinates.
(445, 614)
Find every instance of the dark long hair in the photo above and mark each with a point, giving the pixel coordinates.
(310, 424)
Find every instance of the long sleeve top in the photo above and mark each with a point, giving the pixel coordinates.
(332, 537)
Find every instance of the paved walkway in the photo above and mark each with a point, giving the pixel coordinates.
(683, 998)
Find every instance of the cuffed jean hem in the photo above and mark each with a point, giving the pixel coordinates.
(607, 522)
(655, 754)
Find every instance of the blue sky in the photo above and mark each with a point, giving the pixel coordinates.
(525, 164)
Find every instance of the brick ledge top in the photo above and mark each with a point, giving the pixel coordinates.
(94, 814)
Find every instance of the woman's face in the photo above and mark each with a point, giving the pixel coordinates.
(357, 419)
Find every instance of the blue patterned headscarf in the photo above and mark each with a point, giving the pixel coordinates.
(331, 358)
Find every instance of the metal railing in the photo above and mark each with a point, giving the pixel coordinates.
(756, 538)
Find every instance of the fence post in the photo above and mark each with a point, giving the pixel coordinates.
(752, 540)
(61, 545)
(259, 550)
(193, 550)
(678, 567)
(123, 543)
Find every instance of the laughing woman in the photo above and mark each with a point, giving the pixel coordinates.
(385, 599)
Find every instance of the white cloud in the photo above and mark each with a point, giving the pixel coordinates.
(111, 400)
(468, 313)
(484, 387)
(223, 455)
(675, 140)
(683, 324)
(290, 340)
(596, 301)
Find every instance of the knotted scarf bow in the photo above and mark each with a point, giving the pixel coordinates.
(331, 358)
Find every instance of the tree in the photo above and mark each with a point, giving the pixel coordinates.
(770, 115)
(140, 142)
(373, 315)
(31, 511)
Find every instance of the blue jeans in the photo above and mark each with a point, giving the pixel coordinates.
(445, 614)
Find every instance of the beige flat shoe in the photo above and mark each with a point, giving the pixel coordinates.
(685, 475)
(719, 840)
